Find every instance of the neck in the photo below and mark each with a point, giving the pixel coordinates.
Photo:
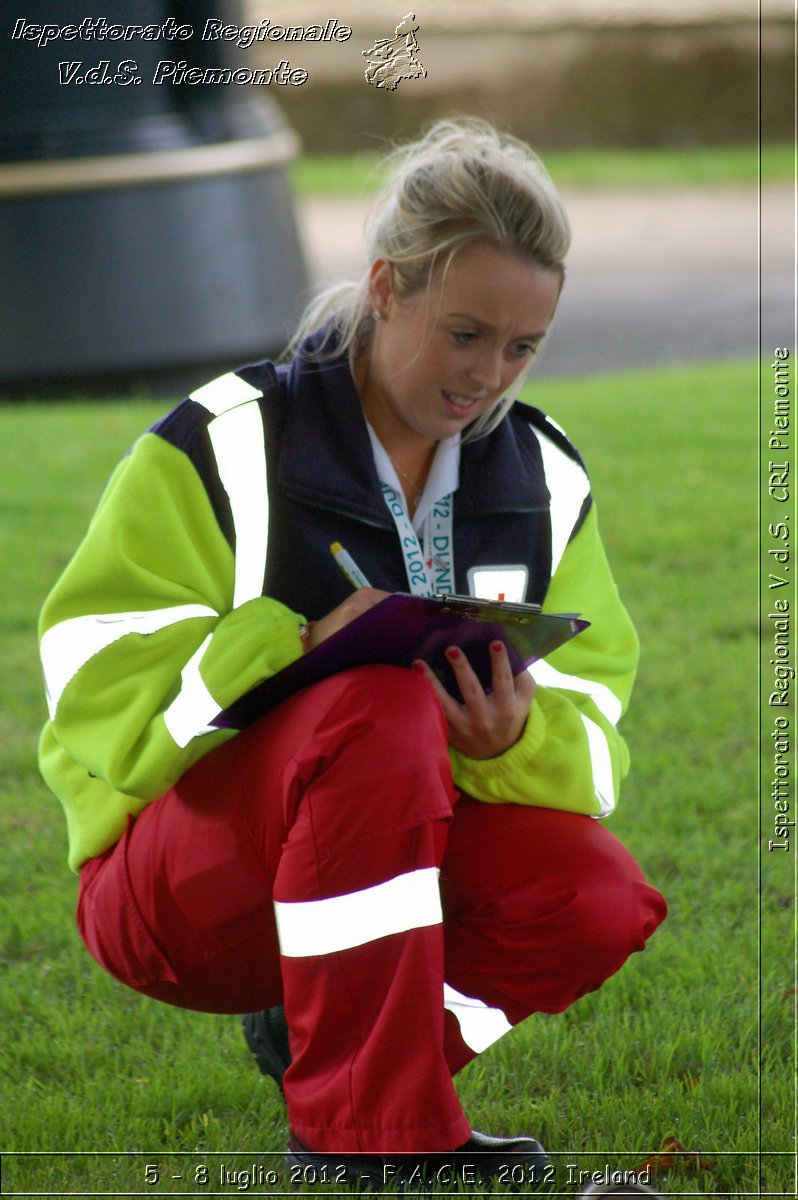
(410, 452)
(413, 473)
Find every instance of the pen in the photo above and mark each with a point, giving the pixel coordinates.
(349, 566)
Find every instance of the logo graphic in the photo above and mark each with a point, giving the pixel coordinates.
(390, 60)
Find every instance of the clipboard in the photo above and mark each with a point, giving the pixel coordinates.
(402, 628)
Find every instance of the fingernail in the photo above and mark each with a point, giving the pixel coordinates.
(453, 653)
(497, 647)
(419, 666)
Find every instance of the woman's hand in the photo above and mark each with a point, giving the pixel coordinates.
(484, 725)
(360, 601)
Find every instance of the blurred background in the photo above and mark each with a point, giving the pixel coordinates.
(575, 73)
(152, 234)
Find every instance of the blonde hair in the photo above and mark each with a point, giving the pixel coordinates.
(462, 182)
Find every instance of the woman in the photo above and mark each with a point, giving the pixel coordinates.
(408, 873)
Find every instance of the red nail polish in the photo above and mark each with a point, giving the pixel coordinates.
(419, 666)
(453, 653)
(497, 647)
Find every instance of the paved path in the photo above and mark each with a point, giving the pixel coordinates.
(654, 276)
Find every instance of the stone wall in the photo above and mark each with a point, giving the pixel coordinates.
(557, 72)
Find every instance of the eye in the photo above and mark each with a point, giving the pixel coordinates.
(523, 349)
(464, 337)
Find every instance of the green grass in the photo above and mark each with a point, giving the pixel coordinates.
(670, 1047)
(357, 174)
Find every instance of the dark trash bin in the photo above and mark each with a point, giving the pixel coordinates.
(145, 229)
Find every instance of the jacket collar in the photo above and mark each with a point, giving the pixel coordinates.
(326, 457)
(503, 472)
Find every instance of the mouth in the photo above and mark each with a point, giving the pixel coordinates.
(462, 406)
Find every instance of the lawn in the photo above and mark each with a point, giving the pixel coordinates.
(347, 174)
(111, 1084)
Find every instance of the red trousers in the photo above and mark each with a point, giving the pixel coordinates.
(322, 859)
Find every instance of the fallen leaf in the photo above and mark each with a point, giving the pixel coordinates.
(673, 1154)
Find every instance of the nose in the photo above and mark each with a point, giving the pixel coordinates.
(485, 369)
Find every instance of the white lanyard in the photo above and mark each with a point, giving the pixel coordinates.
(431, 570)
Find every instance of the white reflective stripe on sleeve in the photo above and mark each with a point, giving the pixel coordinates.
(192, 709)
(606, 701)
(238, 443)
(309, 927)
(224, 393)
(602, 766)
(569, 487)
(67, 646)
(480, 1026)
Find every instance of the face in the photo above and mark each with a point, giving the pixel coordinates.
(446, 355)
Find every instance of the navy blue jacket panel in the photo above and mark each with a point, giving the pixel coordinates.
(323, 487)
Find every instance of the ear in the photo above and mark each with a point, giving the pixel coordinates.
(380, 290)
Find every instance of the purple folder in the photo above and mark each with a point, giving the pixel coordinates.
(403, 628)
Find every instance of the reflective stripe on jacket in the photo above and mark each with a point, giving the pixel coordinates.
(210, 546)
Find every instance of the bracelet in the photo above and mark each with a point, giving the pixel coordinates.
(304, 635)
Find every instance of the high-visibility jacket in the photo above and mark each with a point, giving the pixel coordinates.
(210, 547)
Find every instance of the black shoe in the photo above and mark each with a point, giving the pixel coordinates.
(518, 1162)
(266, 1033)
